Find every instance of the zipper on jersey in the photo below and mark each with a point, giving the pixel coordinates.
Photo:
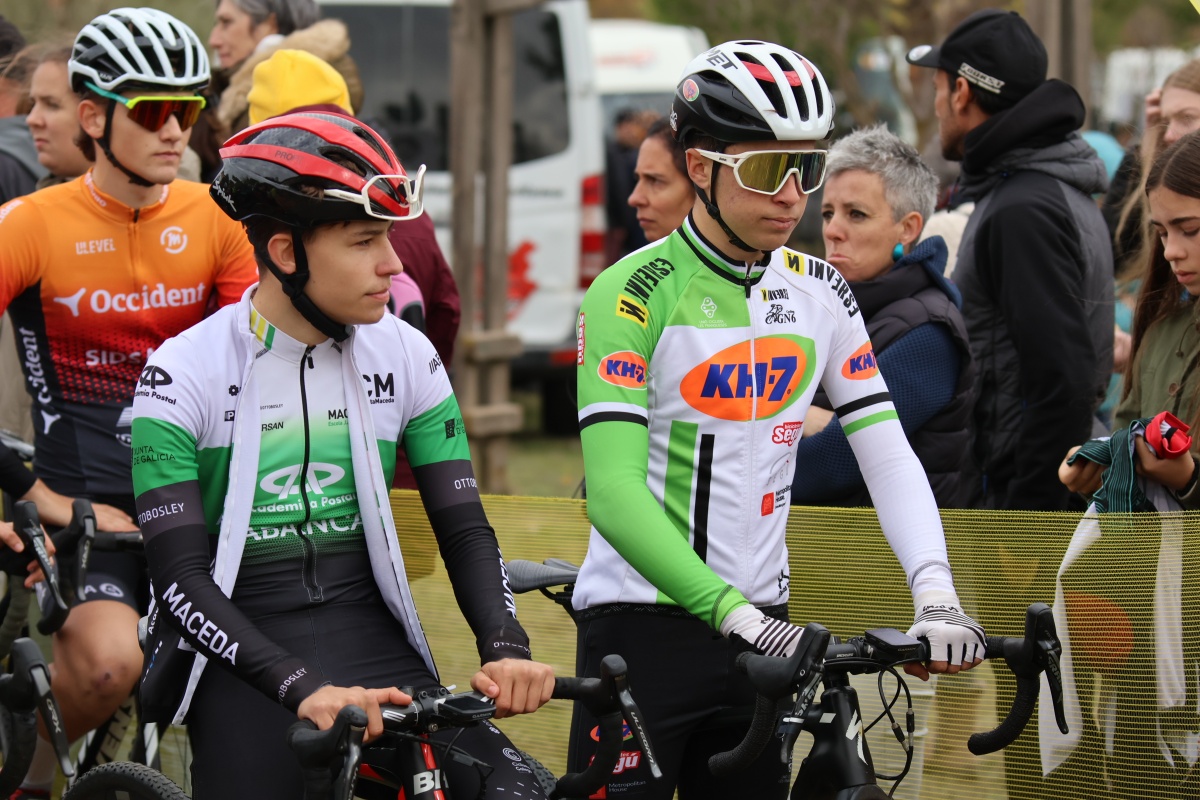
(309, 567)
(747, 545)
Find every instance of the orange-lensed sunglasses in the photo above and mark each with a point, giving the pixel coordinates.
(152, 112)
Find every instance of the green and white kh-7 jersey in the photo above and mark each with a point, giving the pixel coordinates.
(695, 375)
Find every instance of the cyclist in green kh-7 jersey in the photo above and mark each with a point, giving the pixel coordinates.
(698, 357)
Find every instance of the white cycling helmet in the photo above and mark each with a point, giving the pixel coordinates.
(141, 46)
(751, 91)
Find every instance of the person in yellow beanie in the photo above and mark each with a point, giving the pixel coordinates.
(292, 79)
(425, 294)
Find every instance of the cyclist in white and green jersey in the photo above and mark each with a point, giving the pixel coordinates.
(264, 446)
(698, 357)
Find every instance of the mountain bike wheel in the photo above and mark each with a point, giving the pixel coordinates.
(545, 778)
(124, 780)
(18, 739)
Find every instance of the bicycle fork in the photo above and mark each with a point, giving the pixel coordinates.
(100, 746)
(839, 766)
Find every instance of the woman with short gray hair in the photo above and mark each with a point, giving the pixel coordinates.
(878, 194)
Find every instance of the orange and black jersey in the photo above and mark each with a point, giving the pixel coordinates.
(93, 287)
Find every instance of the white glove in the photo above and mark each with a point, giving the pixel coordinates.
(771, 637)
(952, 635)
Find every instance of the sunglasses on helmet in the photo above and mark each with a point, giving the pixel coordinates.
(409, 190)
(766, 171)
(152, 112)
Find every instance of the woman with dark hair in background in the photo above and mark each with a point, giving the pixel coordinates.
(1162, 373)
(663, 194)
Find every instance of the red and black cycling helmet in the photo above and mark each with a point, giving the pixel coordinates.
(308, 168)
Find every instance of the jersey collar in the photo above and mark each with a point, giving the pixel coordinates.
(275, 340)
(718, 262)
(117, 211)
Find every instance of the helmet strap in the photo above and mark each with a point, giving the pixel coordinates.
(103, 141)
(293, 287)
(711, 207)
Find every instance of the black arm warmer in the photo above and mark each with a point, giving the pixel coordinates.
(178, 557)
(468, 546)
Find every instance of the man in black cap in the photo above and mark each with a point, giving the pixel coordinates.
(1035, 264)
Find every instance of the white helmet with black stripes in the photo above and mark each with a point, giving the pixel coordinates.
(138, 47)
(748, 91)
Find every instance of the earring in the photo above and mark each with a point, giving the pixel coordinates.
(897, 252)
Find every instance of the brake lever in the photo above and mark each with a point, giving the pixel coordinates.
(52, 717)
(633, 717)
(790, 725)
(73, 546)
(1040, 629)
(29, 527)
(30, 688)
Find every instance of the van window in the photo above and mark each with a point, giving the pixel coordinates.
(403, 56)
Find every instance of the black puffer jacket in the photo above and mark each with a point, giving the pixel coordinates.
(1035, 271)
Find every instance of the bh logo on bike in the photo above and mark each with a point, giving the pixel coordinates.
(730, 385)
(428, 782)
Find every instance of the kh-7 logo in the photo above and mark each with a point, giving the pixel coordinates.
(729, 385)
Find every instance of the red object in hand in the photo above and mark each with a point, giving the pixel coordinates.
(1168, 436)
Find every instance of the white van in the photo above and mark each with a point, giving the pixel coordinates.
(638, 63)
(556, 205)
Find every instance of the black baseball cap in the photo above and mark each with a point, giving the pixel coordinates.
(995, 51)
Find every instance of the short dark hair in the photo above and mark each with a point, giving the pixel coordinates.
(260, 230)
(988, 103)
(661, 130)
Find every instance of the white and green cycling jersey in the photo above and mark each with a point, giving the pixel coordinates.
(694, 377)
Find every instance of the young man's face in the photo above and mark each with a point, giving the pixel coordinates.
(154, 155)
(763, 221)
(351, 269)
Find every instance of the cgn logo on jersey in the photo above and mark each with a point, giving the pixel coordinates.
(861, 365)
(729, 386)
(625, 369)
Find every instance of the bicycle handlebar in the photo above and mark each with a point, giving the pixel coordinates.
(607, 697)
(777, 678)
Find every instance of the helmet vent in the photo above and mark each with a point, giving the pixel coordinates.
(765, 81)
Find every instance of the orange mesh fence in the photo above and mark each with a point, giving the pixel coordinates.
(1128, 603)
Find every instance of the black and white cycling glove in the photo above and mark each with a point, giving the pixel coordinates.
(769, 636)
(952, 635)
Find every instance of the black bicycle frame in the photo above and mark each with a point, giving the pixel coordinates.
(839, 765)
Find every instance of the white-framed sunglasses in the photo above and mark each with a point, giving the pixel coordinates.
(766, 171)
(411, 189)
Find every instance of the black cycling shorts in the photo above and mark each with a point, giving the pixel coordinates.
(237, 733)
(694, 702)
